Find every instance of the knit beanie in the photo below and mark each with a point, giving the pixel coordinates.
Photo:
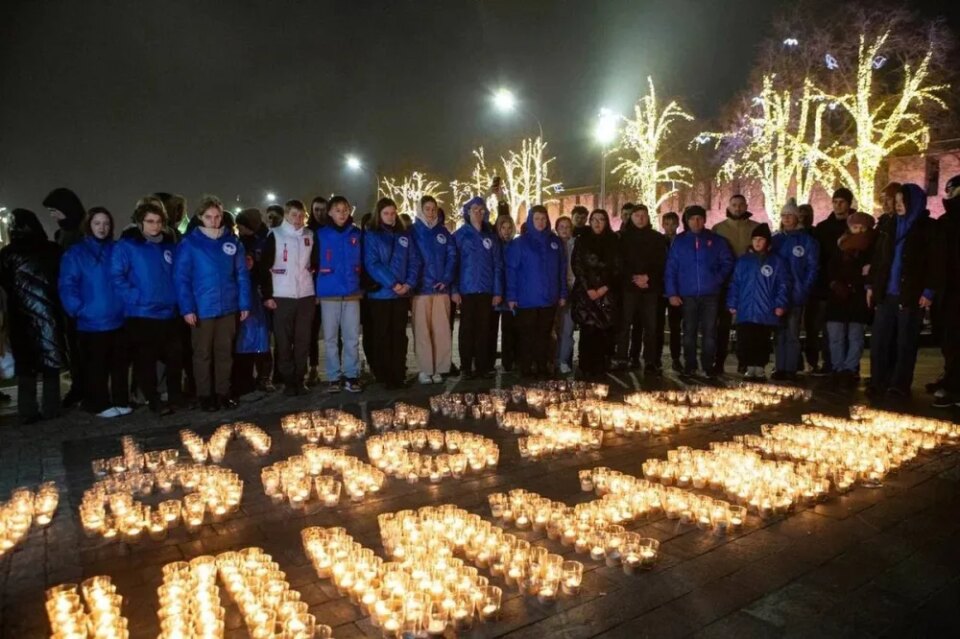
(761, 230)
(861, 218)
(844, 194)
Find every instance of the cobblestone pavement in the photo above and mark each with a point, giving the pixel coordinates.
(875, 562)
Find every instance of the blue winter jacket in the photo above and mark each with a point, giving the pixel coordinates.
(536, 268)
(801, 251)
(253, 336)
(86, 290)
(760, 284)
(438, 257)
(481, 259)
(142, 274)
(389, 258)
(211, 275)
(698, 264)
(339, 260)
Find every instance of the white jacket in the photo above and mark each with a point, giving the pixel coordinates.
(291, 272)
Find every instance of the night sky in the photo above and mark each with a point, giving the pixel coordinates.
(118, 99)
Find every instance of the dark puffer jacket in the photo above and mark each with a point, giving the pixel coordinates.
(67, 202)
(29, 268)
(644, 252)
(847, 299)
(596, 263)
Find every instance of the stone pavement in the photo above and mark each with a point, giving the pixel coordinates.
(876, 562)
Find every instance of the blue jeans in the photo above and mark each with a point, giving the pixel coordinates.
(846, 345)
(700, 316)
(565, 336)
(340, 319)
(788, 341)
(894, 344)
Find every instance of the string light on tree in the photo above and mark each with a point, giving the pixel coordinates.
(408, 191)
(527, 175)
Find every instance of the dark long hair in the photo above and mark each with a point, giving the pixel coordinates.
(376, 223)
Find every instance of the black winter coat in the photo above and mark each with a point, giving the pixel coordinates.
(29, 269)
(847, 297)
(596, 263)
(919, 270)
(644, 252)
(827, 234)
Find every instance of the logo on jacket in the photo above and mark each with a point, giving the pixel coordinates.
(230, 248)
(442, 239)
(487, 243)
(766, 270)
(353, 241)
(403, 242)
(554, 246)
(798, 251)
(168, 256)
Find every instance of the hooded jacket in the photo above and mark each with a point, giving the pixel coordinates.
(847, 299)
(29, 269)
(760, 284)
(827, 233)
(801, 252)
(596, 263)
(438, 256)
(736, 231)
(536, 268)
(698, 264)
(644, 252)
(390, 258)
(86, 288)
(480, 264)
(211, 275)
(339, 260)
(253, 335)
(903, 259)
(142, 274)
(67, 202)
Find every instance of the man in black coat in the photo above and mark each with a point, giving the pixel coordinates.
(947, 309)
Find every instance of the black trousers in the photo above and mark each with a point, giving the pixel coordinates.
(186, 346)
(672, 316)
(292, 322)
(639, 313)
(27, 407)
(534, 327)
(103, 357)
(948, 318)
(388, 340)
(242, 380)
(724, 324)
(594, 346)
(816, 342)
(475, 313)
(504, 322)
(77, 385)
(152, 341)
(315, 341)
(754, 342)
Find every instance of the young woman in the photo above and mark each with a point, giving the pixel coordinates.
(437, 257)
(252, 350)
(89, 298)
(392, 263)
(596, 267)
(536, 285)
(564, 325)
(213, 285)
(758, 297)
(478, 287)
(503, 319)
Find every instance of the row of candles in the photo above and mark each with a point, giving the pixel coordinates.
(216, 447)
(545, 437)
(883, 421)
(407, 454)
(400, 416)
(473, 405)
(95, 615)
(299, 478)
(328, 426)
(24, 509)
(133, 459)
(110, 507)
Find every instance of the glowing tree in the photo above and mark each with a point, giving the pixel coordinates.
(642, 143)
(527, 176)
(407, 191)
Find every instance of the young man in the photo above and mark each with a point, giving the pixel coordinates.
(736, 229)
(286, 287)
(667, 314)
(318, 219)
(698, 265)
(579, 215)
(339, 264)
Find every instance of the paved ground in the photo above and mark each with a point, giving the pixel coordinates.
(875, 562)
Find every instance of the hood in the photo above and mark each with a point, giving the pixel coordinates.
(67, 202)
(25, 227)
(745, 216)
(466, 207)
(915, 199)
(531, 230)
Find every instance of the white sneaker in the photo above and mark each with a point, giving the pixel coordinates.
(438, 378)
(565, 370)
(113, 411)
(940, 394)
(123, 410)
(425, 378)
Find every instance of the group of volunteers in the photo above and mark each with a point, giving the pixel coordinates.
(221, 305)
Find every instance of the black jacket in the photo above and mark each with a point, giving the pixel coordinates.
(948, 237)
(67, 202)
(847, 297)
(827, 233)
(596, 263)
(644, 252)
(29, 269)
(919, 259)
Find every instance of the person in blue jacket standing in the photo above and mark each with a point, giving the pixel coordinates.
(698, 265)
(392, 264)
(213, 285)
(339, 264)
(252, 349)
(89, 298)
(801, 251)
(758, 297)
(437, 257)
(536, 286)
(478, 287)
(141, 268)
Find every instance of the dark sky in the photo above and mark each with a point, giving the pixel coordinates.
(117, 99)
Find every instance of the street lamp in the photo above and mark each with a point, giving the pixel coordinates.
(505, 101)
(353, 163)
(356, 165)
(605, 132)
(271, 197)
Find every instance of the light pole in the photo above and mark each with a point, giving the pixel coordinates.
(504, 101)
(605, 132)
(356, 165)
(271, 197)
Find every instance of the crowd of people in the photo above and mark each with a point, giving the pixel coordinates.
(220, 305)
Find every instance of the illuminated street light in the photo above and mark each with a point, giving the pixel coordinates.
(504, 100)
(354, 163)
(605, 132)
(271, 197)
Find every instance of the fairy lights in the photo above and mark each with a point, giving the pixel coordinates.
(408, 190)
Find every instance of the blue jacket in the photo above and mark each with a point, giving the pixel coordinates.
(339, 260)
(86, 290)
(142, 274)
(211, 275)
(760, 284)
(253, 336)
(801, 251)
(438, 257)
(698, 264)
(481, 259)
(389, 258)
(536, 268)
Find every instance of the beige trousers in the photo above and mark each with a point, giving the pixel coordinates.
(431, 333)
